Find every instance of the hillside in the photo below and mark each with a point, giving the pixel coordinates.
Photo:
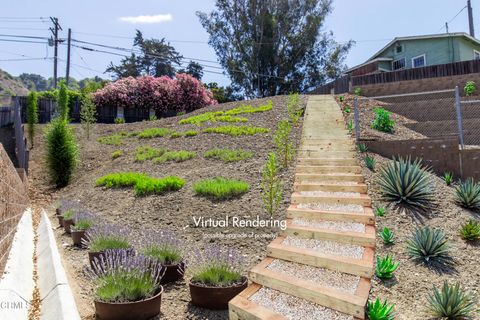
(9, 86)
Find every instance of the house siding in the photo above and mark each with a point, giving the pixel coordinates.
(466, 48)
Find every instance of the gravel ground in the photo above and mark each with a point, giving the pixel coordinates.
(332, 207)
(334, 225)
(172, 211)
(325, 277)
(326, 247)
(330, 194)
(294, 308)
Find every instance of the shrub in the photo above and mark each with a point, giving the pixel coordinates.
(451, 303)
(228, 155)
(283, 145)
(84, 220)
(467, 194)
(386, 267)
(430, 247)
(350, 126)
(117, 154)
(293, 108)
(62, 152)
(153, 133)
(164, 247)
(220, 188)
(32, 115)
(470, 231)
(63, 101)
(347, 109)
(120, 276)
(143, 184)
(380, 310)
(192, 94)
(115, 139)
(382, 121)
(148, 153)
(358, 91)
(370, 162)
(175, 135)
(106, 236)
(362, 148)
(341, 98)
(191, 133)
(177, 156)
(448, 178)
(88, 114)
(152, 118)
(119, 120)
(68, 214)
(470, 88)
(236, 130)
(380, 211)
(387, 236)
(216, 267)
(248, 109)
(271, 185)
(406, 183)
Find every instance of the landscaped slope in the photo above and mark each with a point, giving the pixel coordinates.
(9, 86)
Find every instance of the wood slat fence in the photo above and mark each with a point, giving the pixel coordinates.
(6, 116)
(22, 150)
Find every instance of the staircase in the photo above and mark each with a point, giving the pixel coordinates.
(320, 267)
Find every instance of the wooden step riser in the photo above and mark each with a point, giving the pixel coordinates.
(327, 162)
(328, 169)
(366, 239)
(308, 177)
(326, 154)
(361, 188)
(310, 257)
(363, 201)
(241, 308)
(366, 218)
(304, 146)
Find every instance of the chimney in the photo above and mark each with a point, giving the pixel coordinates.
(470, 18)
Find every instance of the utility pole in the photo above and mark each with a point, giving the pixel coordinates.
(54, 30)
(446, 26)
(67, 76)
(470, 18)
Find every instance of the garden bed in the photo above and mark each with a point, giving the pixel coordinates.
(172, 210)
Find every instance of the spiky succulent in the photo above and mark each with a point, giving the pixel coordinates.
(378, 310)
(362, 148)
(467, 194)
(387, 236)
(451, 302)
(407, 183)
(386, 267)
(380, 211)
(470, 231)
(448, 178)
(429, 246)
(370, 162)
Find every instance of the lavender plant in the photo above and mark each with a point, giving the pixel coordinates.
(106, 236)
(216, 267)
(67, 204)
(120, 276)
(164, 247)
(84, 220)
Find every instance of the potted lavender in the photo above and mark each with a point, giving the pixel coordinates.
(103, 237)
(62, 206)
(216, 277)
(165, 248)
(82, 222)
(67, 217)
(127, 287)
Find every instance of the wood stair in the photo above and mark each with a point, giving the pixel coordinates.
(330, 228)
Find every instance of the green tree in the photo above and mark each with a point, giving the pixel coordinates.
(88, 114)
(62, 101)
(32, 115)
(62, 152)
(271, 185)
(274, 47)
(33, 81)
(194, 69)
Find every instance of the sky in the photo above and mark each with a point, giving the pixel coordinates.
(371, 23)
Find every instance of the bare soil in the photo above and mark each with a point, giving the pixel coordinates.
(172, 211)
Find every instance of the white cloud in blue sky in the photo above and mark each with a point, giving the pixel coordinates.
(147, 19)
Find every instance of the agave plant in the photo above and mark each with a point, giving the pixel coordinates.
(370, 162)
(451, 303)
(350, 126)
(448, 178)
(407, 183)
(362, 148)
(470, 231)
(380, 310)
(386, 267)
(380, 211)
(429, 246)
(387, 236)
(467, 194)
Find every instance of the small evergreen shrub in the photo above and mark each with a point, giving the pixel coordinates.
(153, 133)
(119, 120)
(470, 88)
(429, 246)
(152, 118)
(451, 302)
(385, 267)
(236, 130)
(61, 153)
(175, 135)
(220, 188)
(32, 115)
(88, 114)
(358, 91)
(117, 154)
(470, 231)
(284, 147)
(467, 194)
(271, 185)
(115, 139)
(382, 121)
(62, 101)
(293, 108)
(387, 236)
(190, 133)
(177, 156)
(228, 155)
(380, 310)
(148, 153)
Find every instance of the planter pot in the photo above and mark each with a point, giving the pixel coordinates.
(216, 298)
(58, 211)
(172, 273)
(139, 310)
(93, 255)
(67, 225)
(60, 220)
(77, 236)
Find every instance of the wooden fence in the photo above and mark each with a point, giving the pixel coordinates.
(22, 151)
(340, 85)
(6, 116)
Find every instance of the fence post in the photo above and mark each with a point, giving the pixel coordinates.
(356, 117)
(458, 107)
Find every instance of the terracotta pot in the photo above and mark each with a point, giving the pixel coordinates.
(216, 298)
(172, 273)
(139, 310)
(77, 236)
(93, 255)
(60, 220)
(58, 211)
(67, 225)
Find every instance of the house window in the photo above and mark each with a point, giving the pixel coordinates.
(398, 64)
(476, 55)
(418, 61)
(398, 48)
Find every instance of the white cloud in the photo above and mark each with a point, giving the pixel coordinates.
(147, 19)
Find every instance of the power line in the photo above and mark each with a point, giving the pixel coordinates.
(444, 26)
(24, 59)
(22, 41)
(22, 36)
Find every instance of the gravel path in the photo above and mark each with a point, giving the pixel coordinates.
(326, 247)
(329, 278)
(330, 194)
(294, 308)
(332, 207)
(333, 225)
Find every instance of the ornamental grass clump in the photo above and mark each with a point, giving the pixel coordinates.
(385, 267)
(451, 302)
(216, 267)
(378, 310)
(106, 236)
(120, 276)
(117, 154)
(220, 188)
(115, 139)
(470, 231)
(148, 153)
(430, 246)
(164, 247)
(84, 220)
(236, 130)
(407, 184)
(228, 155)
(467, 194)
(153, 133)
(177, 156)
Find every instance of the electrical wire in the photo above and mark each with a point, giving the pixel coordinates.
(443, 27)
